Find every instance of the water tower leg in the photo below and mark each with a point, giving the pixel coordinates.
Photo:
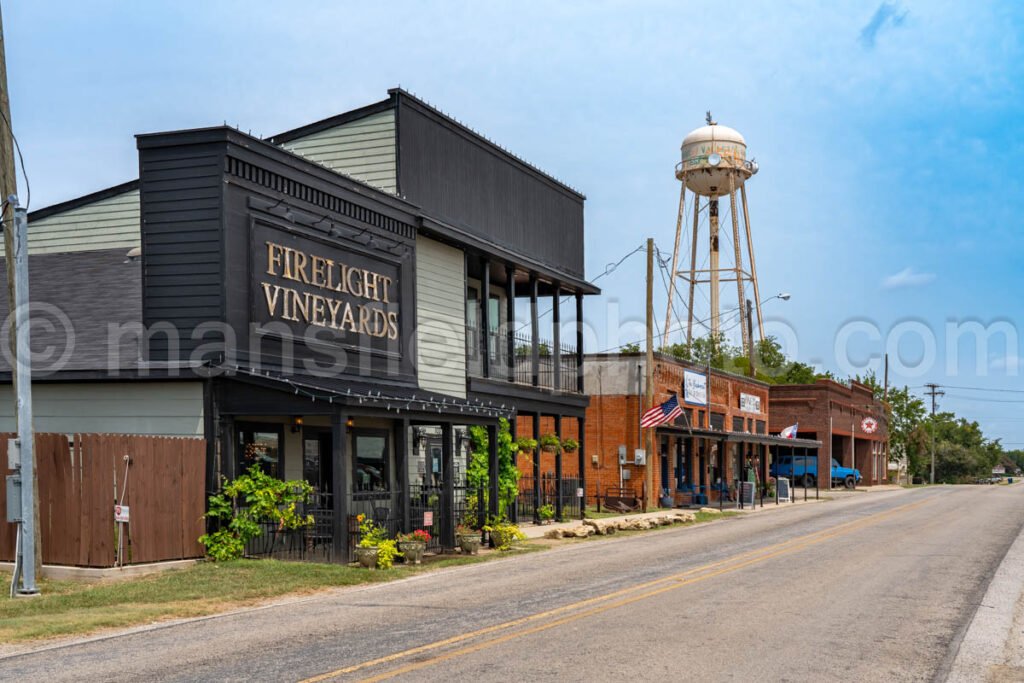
(713, 220)
(675, 260)
(753, 263)
(693, 269)
(738, 251)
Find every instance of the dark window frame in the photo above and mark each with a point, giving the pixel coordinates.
(241, 428)
(386, 478)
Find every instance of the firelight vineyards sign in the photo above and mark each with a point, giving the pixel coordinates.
(305, 283)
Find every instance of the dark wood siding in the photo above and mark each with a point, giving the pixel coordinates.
(465, 181)
(181, 200)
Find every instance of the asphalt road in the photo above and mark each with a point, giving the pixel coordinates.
(879, 586)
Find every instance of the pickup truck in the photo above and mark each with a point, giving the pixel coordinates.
(803, 469)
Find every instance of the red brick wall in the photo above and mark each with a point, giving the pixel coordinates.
(613, 420)
(812, 405)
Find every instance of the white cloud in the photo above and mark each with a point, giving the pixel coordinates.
(1010, 363)
(907, 278)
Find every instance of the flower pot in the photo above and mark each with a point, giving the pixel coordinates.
(469, 544)
(412, 551)
(367, 557)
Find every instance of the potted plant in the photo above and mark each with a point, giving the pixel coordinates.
(550, 443)
(546, 513)
(526, 445)
(468, 539)
(413, 545)
(570, 445)
(504, 533)
(370, 536)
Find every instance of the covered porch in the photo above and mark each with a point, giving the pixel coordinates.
(400, 461)
(707, 467)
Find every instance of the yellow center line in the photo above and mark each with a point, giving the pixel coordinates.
(675, 581)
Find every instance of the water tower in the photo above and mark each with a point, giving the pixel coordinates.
(714, 165)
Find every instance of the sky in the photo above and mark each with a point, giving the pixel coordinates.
(888, 203)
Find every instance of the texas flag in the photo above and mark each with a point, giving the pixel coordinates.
(789, 432)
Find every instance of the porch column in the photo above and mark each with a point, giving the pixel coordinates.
(536, 469)
(534, 344)
(558, 468)
(579, 342)
(582, 455)
(402, 463)
(723, 472)
(493, 508)
(448, 487)
(228, 458)
(556, 333)
(510, 316)
(702, 464)
(485, 317)
(340, 483)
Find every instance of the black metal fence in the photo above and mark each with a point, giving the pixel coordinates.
(551, 489)
(314, 543)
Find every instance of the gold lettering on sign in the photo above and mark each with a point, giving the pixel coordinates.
(331, 277)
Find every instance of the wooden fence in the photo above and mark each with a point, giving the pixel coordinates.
(162, 483)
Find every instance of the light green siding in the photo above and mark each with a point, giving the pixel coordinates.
(160, 408)
(441, 317)
(109, 223)
(363, 149)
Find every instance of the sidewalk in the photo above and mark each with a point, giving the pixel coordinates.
(992, 650)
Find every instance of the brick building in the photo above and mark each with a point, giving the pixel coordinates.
(698, 458)
(851, 424)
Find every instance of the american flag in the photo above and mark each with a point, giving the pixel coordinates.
(659, 415)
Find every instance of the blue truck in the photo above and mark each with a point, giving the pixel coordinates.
(803, 469)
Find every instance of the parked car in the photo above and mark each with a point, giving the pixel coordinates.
(803, 469)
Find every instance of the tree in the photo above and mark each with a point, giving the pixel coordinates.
(906, 413)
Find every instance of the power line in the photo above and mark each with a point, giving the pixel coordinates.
(950, 386)
(610, 268)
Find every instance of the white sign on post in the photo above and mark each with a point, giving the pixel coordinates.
(579, 492)
(695, 388)
(121, 513)
(428, 518)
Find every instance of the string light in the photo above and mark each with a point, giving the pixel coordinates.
(377, 396)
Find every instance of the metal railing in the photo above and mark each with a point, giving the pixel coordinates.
(521, 365)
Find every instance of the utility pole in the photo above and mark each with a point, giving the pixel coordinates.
(933, 391)
(15, 224)
(649, 373)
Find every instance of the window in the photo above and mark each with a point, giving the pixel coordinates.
(371, 461)
(260, 445)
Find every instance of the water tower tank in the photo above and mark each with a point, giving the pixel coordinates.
(709, 154)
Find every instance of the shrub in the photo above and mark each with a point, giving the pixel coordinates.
(244, 504)
(387, 551)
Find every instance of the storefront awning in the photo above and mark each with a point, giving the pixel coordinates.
(737, 437)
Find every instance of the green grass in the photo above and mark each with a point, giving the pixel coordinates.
(75, 608)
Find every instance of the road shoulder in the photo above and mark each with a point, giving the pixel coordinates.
(992, 649)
